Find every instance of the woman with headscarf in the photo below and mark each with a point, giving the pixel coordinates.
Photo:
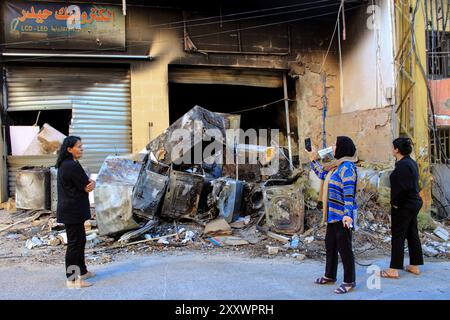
(338, 196)
(405, 206)
(73, 209)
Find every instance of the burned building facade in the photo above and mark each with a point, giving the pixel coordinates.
(130, 72)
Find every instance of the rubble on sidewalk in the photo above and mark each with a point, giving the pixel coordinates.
(441, 233)
(151, 202)
(217, 227)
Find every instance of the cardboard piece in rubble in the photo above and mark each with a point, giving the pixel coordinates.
(47, 141)
(217, 227)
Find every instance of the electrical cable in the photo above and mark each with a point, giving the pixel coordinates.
(192, 20)
(332, 37)
(146, 43)
(256, 17)
(261, 106)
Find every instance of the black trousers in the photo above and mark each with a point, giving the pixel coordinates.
(404, 227)
(338, 239)
(76, 241)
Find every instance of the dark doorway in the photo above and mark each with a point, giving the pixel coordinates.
(232, 99)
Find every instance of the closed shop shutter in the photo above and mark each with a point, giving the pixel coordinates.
(226, 76)
(99, 98)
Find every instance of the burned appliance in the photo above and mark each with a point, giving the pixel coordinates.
(284, 208)
(182, 195)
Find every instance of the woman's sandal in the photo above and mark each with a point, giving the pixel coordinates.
(385, 274)
(413, 271)
(345, 288)
(324, 280)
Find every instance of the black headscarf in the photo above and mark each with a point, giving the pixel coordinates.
(344, 147)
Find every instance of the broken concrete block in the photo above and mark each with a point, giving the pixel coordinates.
(298, 256)
(272, 250)
(92, 240)
(217, 227)
(188, 237)
(163, 241)
(284, 208)
(62, 237)
(47, 141)
(429, 251)
(240, 223)
(113, 195)
(34, 242)
(54, 241)
(232, 240)
(182, 195)
(148, 193)
(278, 237)
(441, 233)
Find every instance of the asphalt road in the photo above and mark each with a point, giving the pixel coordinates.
(230, 277)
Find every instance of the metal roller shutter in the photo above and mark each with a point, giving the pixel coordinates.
(225, 76)
(100, 100)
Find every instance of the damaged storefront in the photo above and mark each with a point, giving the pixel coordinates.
(167, 186)
(91, 103)
(170, 87)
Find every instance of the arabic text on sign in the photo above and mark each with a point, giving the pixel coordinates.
(96, 14)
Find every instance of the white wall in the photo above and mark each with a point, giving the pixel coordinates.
(360, 71)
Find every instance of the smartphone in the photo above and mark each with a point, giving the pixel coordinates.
(308, 144)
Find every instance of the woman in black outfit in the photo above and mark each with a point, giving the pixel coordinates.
(73, 209)
(405, 206)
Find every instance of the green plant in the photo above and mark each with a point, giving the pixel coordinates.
(425, 221)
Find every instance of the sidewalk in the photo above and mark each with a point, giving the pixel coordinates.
(196, 276)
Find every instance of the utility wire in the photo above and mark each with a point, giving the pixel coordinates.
(332, 37)
(261, 106)
(193, 20)
(256, 17)
(146, 43)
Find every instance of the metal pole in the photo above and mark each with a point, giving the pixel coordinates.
(324, 114)
(236, 157)
(288, 127)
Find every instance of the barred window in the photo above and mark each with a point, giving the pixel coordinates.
(440, 154)
(438, 55)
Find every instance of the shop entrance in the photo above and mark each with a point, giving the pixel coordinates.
(260, 106)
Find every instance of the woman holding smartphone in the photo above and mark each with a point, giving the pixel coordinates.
(339, 180)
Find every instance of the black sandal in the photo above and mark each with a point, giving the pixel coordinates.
(345, 288)
(324, 280)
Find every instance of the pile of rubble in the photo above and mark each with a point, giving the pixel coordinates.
(134, 196)
(155, 200)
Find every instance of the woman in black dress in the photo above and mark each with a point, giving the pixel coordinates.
(73, 209)
(405, 206)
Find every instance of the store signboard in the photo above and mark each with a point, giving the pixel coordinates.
(39, 25)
